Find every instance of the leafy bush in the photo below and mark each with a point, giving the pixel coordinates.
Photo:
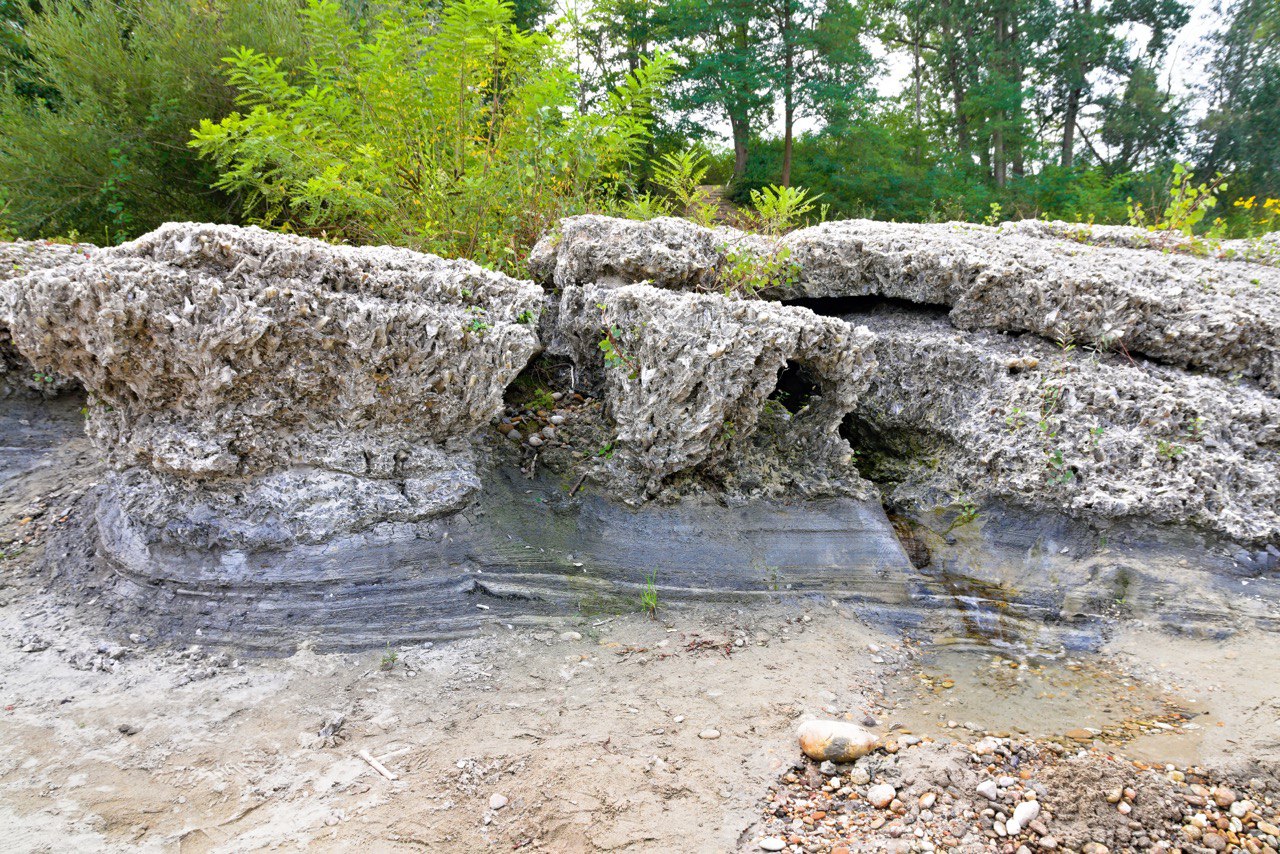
(454, 133)
(779, 209)
(96, 113)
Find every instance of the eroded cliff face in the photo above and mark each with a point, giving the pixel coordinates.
(1143, 385)
(253, 389)
(1209, 314)
(687, 377)
(291, 424)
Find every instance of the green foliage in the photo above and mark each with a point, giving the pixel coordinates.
(681, 175)
(1188, 201)
(780, 209)
(746, 272)
(455, 133)
(97, 107)
(1167, 450)
(649, 595)
(611, 347)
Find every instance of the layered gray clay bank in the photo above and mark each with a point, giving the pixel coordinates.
(300, 441)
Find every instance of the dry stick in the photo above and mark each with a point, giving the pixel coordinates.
(1125, 350)
(578, 485)
(378, 766)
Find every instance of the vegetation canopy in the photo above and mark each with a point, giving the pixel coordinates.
(453, 133)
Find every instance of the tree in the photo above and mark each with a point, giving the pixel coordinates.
(721, 45)
(1240, 132)
(94, 123)
(817, 64)
(1088, 39)
(1142, 126)
(454, 133)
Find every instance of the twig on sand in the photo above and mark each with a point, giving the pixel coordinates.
(378, 766)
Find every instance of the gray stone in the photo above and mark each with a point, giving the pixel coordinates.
(252, 389)
(944, 417)
(18, 259)
(695, 372)
(1218, 315)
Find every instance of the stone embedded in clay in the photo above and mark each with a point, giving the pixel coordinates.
(836, 741)
(253, 388)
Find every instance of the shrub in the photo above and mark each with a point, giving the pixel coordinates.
(451, 132)
(96, 115)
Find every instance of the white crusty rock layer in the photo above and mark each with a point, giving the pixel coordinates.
(1220, 316)
(251, 387)
(16, 260)
(692, 373)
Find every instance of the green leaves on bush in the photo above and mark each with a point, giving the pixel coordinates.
(454, 133)
(96, 113)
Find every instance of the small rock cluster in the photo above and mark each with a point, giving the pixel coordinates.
(1006, 795)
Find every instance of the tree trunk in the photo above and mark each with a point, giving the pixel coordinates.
(916, 71)
(957, 84)
(788, 95)
(1069, 127)
(997, 134)
(741, 133)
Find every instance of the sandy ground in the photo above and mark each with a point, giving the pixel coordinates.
(622, 734)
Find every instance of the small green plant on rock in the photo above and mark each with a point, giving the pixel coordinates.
(779, 209)
(389, 658)
(680, 174)
(968, 512)
(746, 272)
(1167, 450)
(1059, 472)
(1015, 420)
(477, 324)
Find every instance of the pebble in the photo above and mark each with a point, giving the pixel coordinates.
(988, 790)
(881, 795)
(772, 843)
(1224, 797)
(535, 440)
(497, 802)
(556, 420)
(709, 734)
(515, 436)
(927, 800)
(1023, 814)
(835, 740)
(570, 636)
